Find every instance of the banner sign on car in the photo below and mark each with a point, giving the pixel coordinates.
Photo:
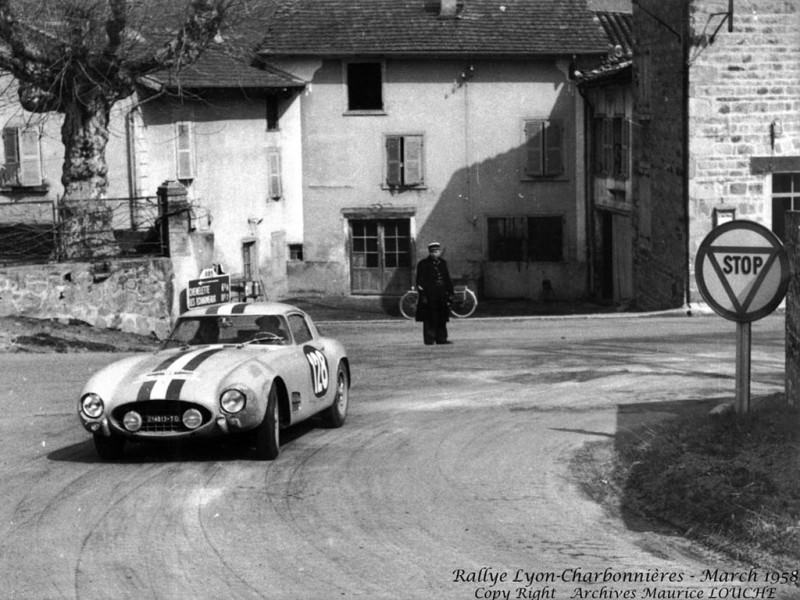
(742, 271)
(208, 290)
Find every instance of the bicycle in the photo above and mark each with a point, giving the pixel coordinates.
(463, 305)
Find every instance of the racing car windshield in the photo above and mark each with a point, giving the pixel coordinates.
(229, 329)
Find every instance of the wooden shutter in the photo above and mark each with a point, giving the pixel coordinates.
(626, 149)
(412, 160)
(608, 146)
(185, 150)
(534, 148)
(274, 173)
(30, 158)
(11, 148)
(554, 146)
(393, 160)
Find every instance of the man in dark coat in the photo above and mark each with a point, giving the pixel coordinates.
(435, 291)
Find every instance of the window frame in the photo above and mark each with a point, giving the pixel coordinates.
(26, 169)
(546, 130)
(274, 173)
(363, 111)
(399, 182)
(250, 248)
(525, 249)
(792, 197)
(189, 150)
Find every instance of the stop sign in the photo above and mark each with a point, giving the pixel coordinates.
(742, 270)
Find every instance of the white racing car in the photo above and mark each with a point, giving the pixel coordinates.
(227, 369)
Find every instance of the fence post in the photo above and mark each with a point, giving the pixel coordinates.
(792, 245)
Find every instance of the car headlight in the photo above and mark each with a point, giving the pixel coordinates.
(132, 421)
(192, 418)
(232, 401)
(92, 405)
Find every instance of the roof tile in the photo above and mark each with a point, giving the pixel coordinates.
(410, 27)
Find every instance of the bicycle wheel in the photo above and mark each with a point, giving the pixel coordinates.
(464, 304)
(408, 304)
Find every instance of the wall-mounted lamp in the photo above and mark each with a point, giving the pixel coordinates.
(775, 131)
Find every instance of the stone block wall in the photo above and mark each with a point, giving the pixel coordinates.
(743, 84)
(131, 295)
(793, 309)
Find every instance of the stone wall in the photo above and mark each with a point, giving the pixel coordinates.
(659, 201)
(744, 106)
(793, 309)
(131, 295)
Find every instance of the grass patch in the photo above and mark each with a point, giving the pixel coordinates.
(729, 481)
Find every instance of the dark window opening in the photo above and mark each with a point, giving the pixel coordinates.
(364, 86)
(273, 113)
(517, 239)
(785, 196)
(249, 259)
(296, 252)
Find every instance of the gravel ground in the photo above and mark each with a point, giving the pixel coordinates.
(25, 334)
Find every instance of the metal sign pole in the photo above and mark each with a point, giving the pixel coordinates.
(742, 367)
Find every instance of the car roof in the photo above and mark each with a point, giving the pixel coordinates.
(243, 308)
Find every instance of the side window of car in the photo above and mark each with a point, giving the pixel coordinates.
(300, 329)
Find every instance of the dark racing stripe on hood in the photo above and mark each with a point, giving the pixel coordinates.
(200, 358)
(168, 385)
(174, 389)
(172, 359)
(144, 391)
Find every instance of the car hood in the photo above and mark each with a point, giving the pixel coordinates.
(171, 374)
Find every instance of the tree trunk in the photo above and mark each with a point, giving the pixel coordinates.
(86, 221)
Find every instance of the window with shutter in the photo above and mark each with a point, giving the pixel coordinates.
(404, 161)
(184, 142)
(23, 157)
(30, 159)
(274, 173)
(534, 143)
(553, 139)
(394, 145)
(544, 148)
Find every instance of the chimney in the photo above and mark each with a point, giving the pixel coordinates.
(448, 9)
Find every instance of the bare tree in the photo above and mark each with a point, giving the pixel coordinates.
(78, 58)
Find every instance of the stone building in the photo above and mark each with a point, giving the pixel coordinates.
(716, 130)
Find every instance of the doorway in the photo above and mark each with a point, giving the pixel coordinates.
(380, 256)
(616, 257)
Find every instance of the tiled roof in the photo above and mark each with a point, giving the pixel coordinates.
(619, 29)
(618, 63)
(217, 68)
(413, 27)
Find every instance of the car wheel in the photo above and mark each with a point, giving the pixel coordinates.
(108, 447)
(336, 413)
(268, 434)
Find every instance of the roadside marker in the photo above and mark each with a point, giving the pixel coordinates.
(742, 271)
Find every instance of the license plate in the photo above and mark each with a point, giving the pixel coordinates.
(162, 419)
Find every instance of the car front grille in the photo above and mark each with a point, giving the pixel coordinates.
(160, 416)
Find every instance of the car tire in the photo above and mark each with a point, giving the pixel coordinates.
(336, 413)
(267, 435)
(109, 447)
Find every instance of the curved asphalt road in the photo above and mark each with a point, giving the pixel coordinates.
(453, 468)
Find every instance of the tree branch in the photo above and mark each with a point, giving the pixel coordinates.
(197, 32)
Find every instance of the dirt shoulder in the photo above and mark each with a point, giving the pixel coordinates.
(25, 334)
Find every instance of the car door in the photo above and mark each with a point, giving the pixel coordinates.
(316, 381)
